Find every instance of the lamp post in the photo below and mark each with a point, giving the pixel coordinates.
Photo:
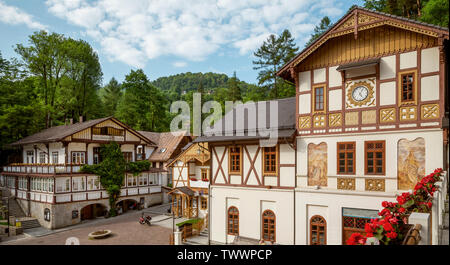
(8, 216)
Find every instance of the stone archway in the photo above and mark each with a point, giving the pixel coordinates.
(127, 204)
(92, 211)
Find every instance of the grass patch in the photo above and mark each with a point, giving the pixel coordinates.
(190, 221)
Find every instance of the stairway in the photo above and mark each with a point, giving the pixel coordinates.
(16, 211)
(201, 239)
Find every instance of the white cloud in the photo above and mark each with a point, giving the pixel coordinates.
(14, 16)
(179, 64)
(135, 31)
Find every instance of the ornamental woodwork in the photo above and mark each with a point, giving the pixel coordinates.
(352, 118)
(346, 183)
(375, 185)
(369, 117)
(430, 111)
(335, 119)
(387, 115)
(304, 122)
(319, 121)
(368, 101)
(408, 113)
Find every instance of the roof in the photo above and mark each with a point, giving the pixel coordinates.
(435, 28)
(167, 143)
(58, 133)
(185, 150)
(254, 129)
(184, 189)
(358, 64)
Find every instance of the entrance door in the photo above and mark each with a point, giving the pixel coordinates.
(86, 213)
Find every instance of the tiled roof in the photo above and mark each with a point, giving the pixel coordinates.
(58, 133)
(167, 144)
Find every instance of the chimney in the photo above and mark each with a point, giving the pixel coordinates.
(81, 118)
(71, 121)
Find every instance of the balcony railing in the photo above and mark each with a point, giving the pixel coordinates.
(42, 168)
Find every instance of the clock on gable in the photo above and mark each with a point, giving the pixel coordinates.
(360, 94)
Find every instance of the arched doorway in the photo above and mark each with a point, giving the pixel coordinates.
(92, 211)
(127, 205)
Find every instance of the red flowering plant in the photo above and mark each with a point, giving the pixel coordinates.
(388, 228)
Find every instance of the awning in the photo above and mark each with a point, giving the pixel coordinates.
(360, 64)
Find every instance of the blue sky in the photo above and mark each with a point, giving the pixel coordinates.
(166, 37)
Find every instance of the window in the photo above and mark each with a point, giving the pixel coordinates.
(128, 156)
(203, 203)
(204, 174)
(55, 157)
(235, 159)
(268, 226)
(78, 158)
(318, 229)
(97, 155)
(143, 180)
(319, 98)
(78, 184)
(30, 157)
(407, 89)
(233, 221)
(132, 181)
(270, 160)
(162, 150)
(47, 214)
(74, 214)
(41, 157)
(346, 157)
(375, 157)
(107, 131)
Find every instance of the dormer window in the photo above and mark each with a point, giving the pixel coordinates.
(162, 150)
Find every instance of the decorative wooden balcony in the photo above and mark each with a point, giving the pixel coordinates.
(42, 168)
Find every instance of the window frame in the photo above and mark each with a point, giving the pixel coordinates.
(265, 172)
(345, 151)
(271, 231)
(324, 224)
(230, 155)
(128, 156)
(30, 156)
(203, 200)
(366, 150)
(55, 154)
(82, 155)
(203, 170)
(47, 214)
(324, 98)
(400, 87)
(235, 217)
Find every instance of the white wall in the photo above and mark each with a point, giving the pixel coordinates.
(251, 202)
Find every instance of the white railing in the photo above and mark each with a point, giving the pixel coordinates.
(42, 168)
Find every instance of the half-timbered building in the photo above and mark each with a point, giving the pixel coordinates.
(190, 172)
(372, 118)
(252, 181)
(49, 186)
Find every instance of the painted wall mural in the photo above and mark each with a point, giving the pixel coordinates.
(411, 162)
(317, 164)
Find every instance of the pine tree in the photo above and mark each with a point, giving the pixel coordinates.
(272, 55)
(324, 25)
(111, 96)
(233, 88)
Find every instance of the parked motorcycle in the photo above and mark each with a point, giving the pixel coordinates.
(145, 220)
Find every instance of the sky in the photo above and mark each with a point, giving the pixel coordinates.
(167, 37)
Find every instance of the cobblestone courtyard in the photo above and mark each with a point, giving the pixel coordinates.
(126, 230)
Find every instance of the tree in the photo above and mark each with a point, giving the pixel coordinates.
(112, 93)
(142, 106)
(436, 12)
(233, 88)
(274, 53)
(112, 170)
(323, 26)
(45, 57)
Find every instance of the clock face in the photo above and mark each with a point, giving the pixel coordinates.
(360, 93)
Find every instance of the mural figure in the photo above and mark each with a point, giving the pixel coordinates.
(411, 162)
(317, 164)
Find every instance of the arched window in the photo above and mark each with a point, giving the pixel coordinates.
(47, 214)
(268, 226)
(233, 221)
(318, 228)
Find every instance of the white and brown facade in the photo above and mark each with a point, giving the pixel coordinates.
(372, 119)
(48, 183)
